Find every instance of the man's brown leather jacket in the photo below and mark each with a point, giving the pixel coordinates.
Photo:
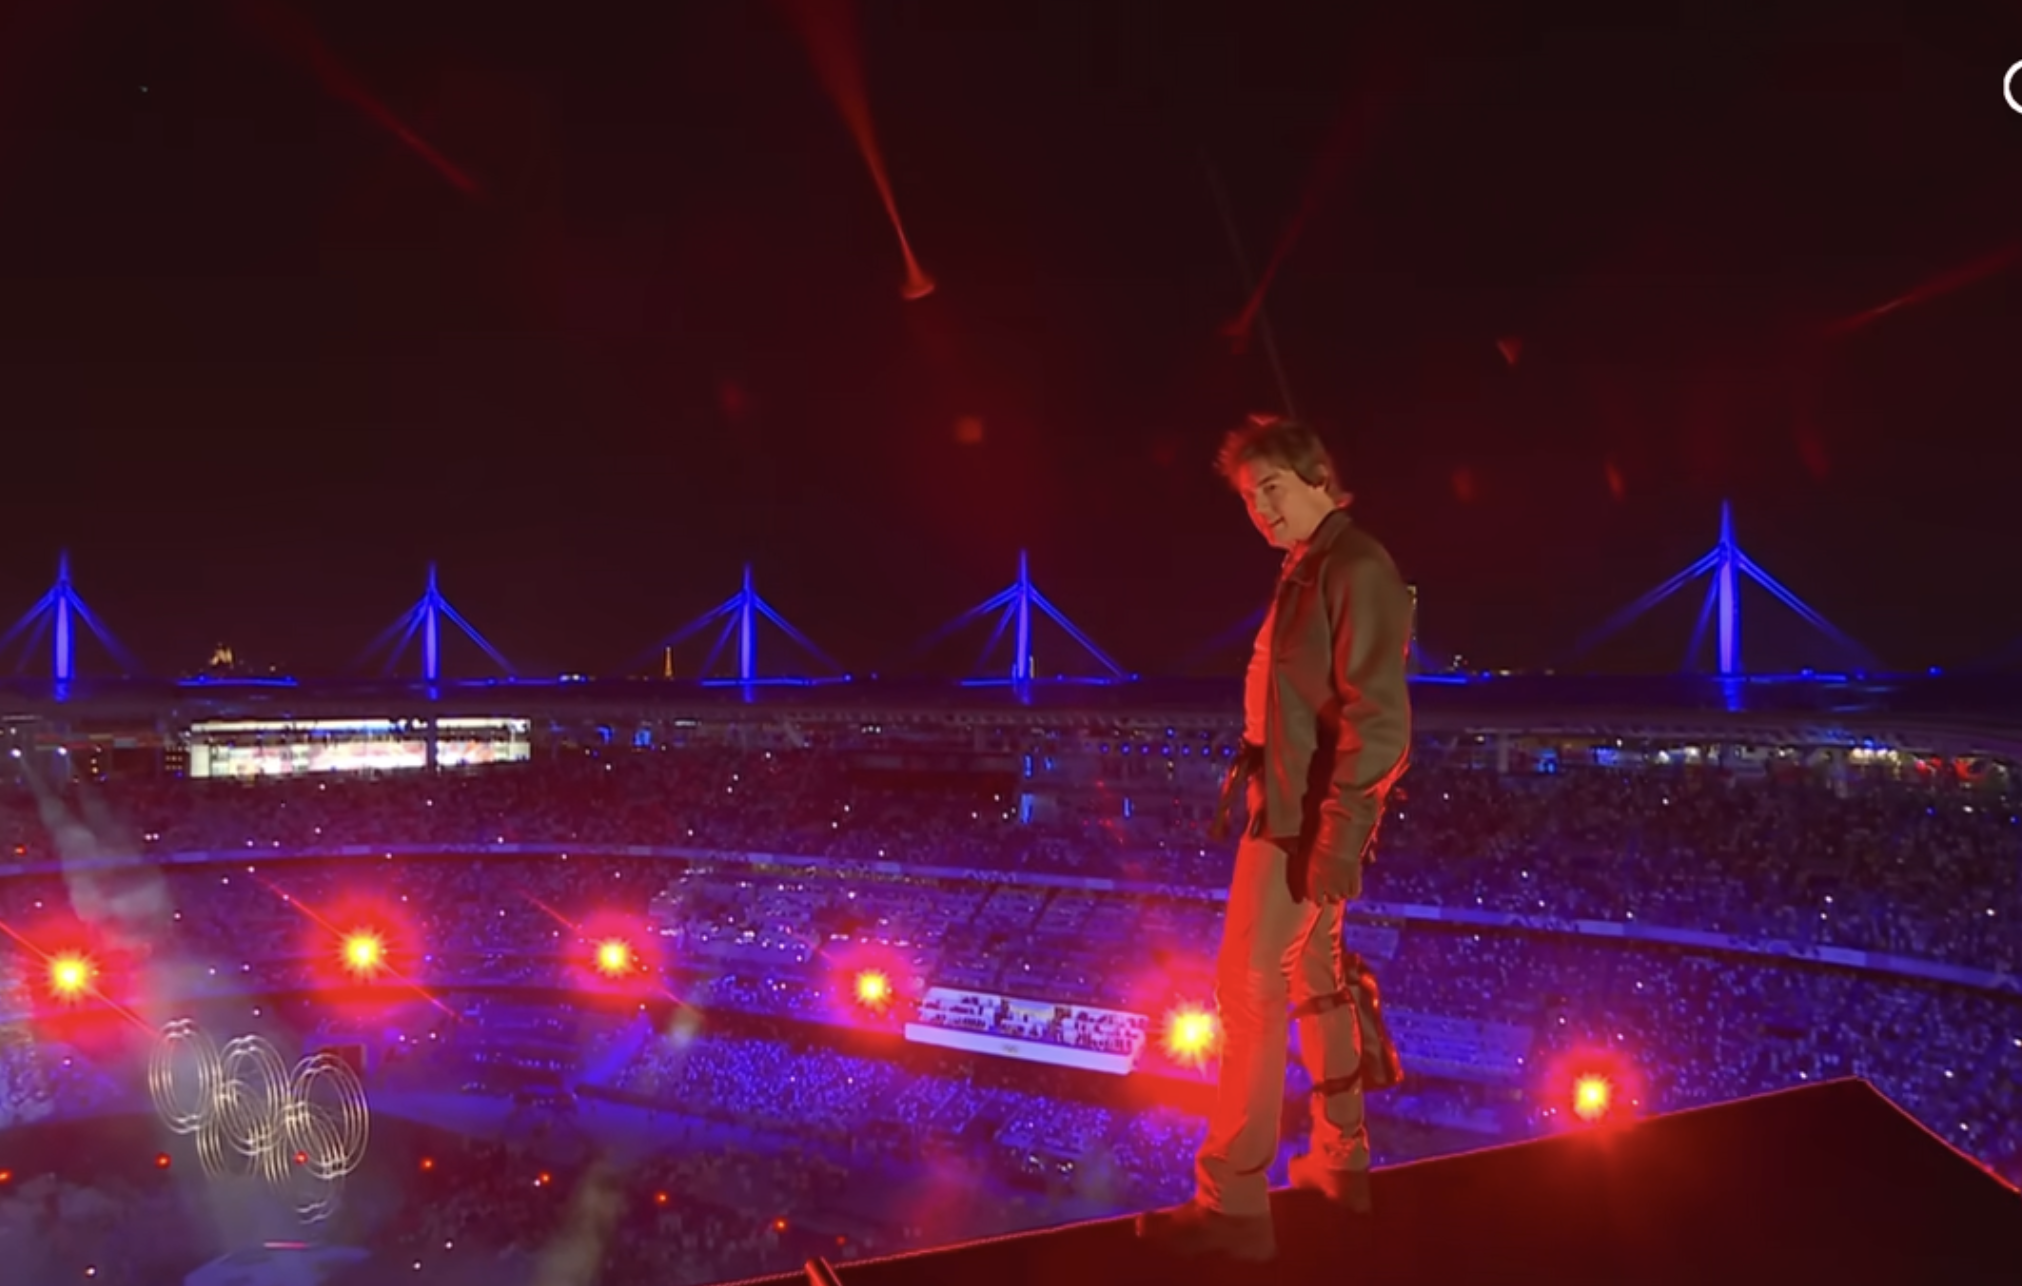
(1337, 712)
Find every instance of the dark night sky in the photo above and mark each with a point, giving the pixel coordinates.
(262, 361)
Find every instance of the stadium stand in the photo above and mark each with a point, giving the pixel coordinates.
(1716, 934)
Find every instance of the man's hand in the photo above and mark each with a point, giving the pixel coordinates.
(1331, 880)
(1322, 876)
(1326, 875)
(1331, 870)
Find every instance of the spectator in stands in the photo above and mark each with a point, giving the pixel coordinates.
(1327, 730)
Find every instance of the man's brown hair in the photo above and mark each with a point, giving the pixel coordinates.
(1287, 443)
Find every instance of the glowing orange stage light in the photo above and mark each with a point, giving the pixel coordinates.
(69, 975)
(1190, 1034)
(614, 957)
(364, 952)
(1592, 1096)
(161, 1160)
(873, 988)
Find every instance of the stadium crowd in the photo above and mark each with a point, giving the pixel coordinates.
(1927, 869)
(1918, 869)
(492, 1211)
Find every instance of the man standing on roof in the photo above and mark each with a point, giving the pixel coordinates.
(1326, 733)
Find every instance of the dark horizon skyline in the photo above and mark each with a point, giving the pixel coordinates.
(265, 361)
(947, 649)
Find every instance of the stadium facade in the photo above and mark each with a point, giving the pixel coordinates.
(222, 729)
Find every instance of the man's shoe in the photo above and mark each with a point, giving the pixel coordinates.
(1348, 1189)
(1193, 1230)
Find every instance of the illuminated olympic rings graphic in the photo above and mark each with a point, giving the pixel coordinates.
(299, 1129)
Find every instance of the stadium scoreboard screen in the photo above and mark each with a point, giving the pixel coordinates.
(283, 748)
(1078, 1036)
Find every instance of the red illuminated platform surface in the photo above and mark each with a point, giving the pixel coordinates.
(1830, 1184)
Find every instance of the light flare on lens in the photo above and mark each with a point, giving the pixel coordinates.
(1190, 1035)
(364, 952)
(69, 975)
(1592, 1097)
(614, 957)
(873, 988)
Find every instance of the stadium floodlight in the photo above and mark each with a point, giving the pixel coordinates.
(58, 613)
(1015, 604)
(426, 618)
(1724, 565)
(737, 618)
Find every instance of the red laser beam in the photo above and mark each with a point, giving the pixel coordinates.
(1944, 283)
(552, 914)
(294, 33)
(1350, 137)
(829, 30)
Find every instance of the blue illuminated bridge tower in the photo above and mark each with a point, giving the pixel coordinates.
(425, 621)
(737, 619)
(58, 614)
(1725, 566)
(1014, 605)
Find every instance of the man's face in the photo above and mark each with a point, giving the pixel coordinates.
(1285, 507)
